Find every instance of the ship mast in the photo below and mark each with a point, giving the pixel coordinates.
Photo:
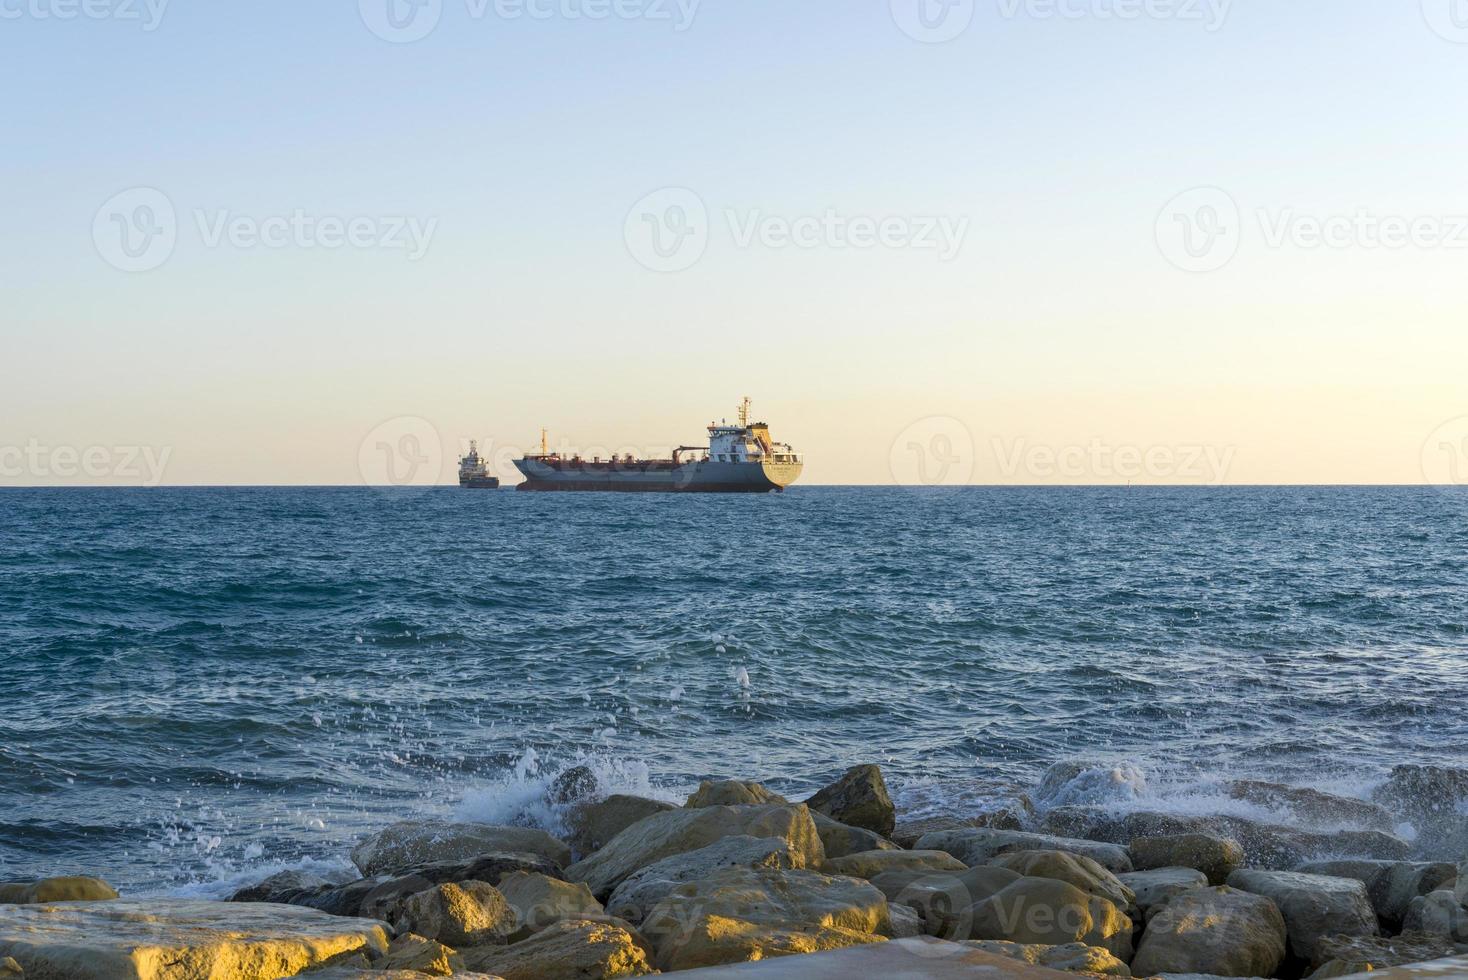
(744, 413)
(544, 446)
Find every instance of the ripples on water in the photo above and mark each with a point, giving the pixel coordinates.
(200, 684)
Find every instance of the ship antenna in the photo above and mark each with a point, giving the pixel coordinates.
(744, 413)
(544, 448)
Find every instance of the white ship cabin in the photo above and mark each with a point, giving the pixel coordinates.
(747, 443)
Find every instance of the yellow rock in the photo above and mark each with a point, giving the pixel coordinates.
(178, 940)
(57, 890)
(1052, 913)
(715, 940)
(739, 914)
(679, 831)
(571, 948)
(869, 864)
(413, 842)
(1070, 958)
(412, 952)
(467, 913)
(1077, 869)
(1213, 930)
(539, 901)
(732, 792)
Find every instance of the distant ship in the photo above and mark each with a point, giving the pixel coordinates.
(739, 458)
(474, 471)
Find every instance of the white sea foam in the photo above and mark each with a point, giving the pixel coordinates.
(225, 879)
(519, 797)
(1116, 788)
(1095, 785)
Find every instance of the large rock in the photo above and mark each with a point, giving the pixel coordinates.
(1155, 888)
(1077, 869)
(732, 792)
(414, 842)
(1391, 885)
(1344, 956)
(584, 950)
(1460, 890)
(907, 833)
(1314, 906)
(538, 901)
(469, 913)
(869, 864)
(638, 893)
(740, 914)
(917, 958)
(943, 899)
(1218, 931)
(1438, 914)
(420, 954)
(841, 840)
(9, 968)
(163, 939)
(1216, 857)
(979, 845)
(906, 921)
(1268, 846)
(859, 799)
(372, 973)
(1016, 813)
(679, 831)
(281, 887)
(1423, 791)
(48, 890)
(1311, 806)
(371, 897)
(573, 786)
(1071, 958)
(1048, 912)
(591, 825)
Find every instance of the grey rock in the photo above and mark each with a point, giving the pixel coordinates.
(1438, 914)
(979, 845)
(1391, 885)
(858, 799)
(841, 840)
(637, 894)
(1314, 906)
(1156, 887)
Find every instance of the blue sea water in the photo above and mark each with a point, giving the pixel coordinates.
(199, 686)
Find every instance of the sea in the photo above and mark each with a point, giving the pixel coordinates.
(199, 687)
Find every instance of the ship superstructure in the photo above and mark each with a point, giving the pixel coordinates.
(740, 458)
(474, 471)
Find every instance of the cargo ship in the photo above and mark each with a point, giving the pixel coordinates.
(474, 471)
(739, 458)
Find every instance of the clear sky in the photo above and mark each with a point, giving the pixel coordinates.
(976, 247)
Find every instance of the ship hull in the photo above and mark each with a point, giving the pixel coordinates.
(656, 476)
(479, 483)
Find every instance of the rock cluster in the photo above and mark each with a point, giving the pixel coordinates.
(740, 873)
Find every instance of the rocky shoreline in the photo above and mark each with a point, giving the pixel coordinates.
(632, 886)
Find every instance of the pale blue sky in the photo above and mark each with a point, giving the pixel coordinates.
(1057, 140)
